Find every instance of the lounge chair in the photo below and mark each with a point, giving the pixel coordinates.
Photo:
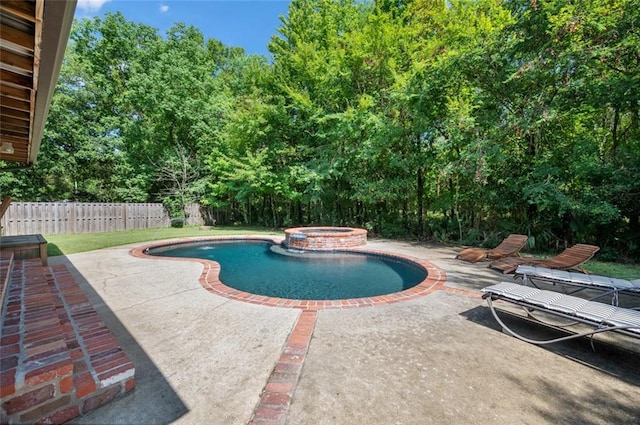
(601, 317)
(607, 285)
(511, 245)
(571, 258)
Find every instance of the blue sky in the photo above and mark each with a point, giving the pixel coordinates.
(245, 23)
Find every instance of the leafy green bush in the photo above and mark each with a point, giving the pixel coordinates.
(177, 222)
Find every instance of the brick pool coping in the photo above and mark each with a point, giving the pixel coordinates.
(210, 277)
(276, 395)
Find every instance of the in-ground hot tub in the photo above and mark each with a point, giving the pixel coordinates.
(324, 238)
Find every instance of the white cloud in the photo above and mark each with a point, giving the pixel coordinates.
(91, 5)
(164, 8)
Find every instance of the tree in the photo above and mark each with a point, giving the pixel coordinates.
(82, 152)
(453, 120)
(182, 180)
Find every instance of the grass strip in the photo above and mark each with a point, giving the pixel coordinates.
(60, 244)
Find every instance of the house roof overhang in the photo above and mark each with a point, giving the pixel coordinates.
(33, 38)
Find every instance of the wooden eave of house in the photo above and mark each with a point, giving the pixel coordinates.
(33, 38)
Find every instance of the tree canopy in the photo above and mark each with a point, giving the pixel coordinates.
(461, 120)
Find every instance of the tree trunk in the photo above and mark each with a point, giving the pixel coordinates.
(273, 211)
(420, 199)
(614, 131)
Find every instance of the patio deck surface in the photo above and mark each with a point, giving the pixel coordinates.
(438, 358)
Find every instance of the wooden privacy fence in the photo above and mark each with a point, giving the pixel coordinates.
(23, 218)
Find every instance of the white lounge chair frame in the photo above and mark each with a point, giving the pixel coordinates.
(602, 317)
(580, 281)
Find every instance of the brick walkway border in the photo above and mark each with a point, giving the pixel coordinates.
(58, 359)
(275, 399)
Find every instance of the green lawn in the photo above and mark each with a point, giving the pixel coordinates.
(621, 270)
(69, 244)
(624, 271)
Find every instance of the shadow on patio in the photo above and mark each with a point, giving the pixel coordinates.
(615, 355)
(151, 386)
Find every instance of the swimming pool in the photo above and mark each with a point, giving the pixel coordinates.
(253, 267)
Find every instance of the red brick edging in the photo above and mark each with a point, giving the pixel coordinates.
(277, 393)
(281, 384)
(324, 238)
(210, 278)
(58, 360)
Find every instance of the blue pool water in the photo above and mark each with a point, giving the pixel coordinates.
(253, 267)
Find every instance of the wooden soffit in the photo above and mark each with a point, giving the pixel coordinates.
(33, 37)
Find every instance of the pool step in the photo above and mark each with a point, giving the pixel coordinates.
(58, 359)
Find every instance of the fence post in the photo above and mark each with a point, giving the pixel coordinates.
(124, 215)
(72, 218)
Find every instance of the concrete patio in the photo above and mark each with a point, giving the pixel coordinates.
(440, 358)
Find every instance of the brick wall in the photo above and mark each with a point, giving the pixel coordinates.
(324, 238)
(57, 358)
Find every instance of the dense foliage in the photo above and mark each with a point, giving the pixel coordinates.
(458, 120)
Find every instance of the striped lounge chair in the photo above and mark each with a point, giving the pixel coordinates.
(599, 317)
(579, 281)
